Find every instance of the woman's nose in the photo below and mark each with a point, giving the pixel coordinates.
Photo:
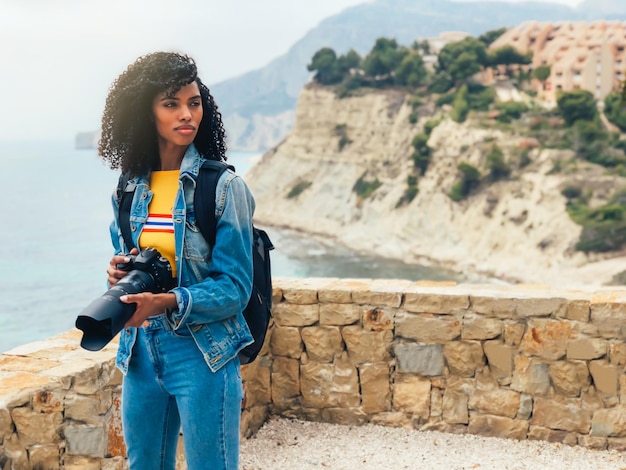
(185, 113)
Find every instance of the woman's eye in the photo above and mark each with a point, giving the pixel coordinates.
(196, 104)
(169, 104)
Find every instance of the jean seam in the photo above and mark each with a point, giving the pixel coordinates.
(164, 433)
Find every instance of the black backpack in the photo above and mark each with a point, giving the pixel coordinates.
(258, 312)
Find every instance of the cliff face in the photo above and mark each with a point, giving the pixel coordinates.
(516, 229)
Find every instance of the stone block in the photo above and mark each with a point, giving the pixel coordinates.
(480, 328)
(367, 346)
(547, 339)
(6, 424)
(378, 319)
(561, 413)
(344, 416)
(85, 440)
(37, 428)
(525, 409)
(394, 419)
(464, 358)
(495, 401)
(322, 343)
(14, 450)
(379, 298)
(257, 382)
(436, 404)
(499, 358)
(422, 359)
(585, 349)
(339, 314)
(44, 456)
(75, 462)
(608, 311)
(590, 442)
(569, 378)
(286, 314)
(609, 422)
(497, 426)
(605, 377)
(455, 407)
(539, 433)
(303, 291)
(617, 354)
(616, 444)
(286, 341)
(116, 447)
(513, 333)
(411, 394)
(375, 387)
(578, 310)
(427, 328)
(285, 379)
(435, 302)
(530, 376)
(48, 401)
(340, 292)
(82, 409)
(330, 385)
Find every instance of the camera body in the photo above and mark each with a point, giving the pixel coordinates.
(103, 318)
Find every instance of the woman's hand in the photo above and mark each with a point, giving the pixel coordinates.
(148, 304)
(114, 274)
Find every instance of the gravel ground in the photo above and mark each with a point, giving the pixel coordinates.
(283, 444)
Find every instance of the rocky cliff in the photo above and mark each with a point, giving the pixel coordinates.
(516, 229)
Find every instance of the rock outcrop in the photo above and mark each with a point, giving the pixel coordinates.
(516, 229)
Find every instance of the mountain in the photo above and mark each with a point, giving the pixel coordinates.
(258, 107)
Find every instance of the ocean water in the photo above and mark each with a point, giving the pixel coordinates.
(54, 241)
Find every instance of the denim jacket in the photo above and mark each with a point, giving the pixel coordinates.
(214, 285)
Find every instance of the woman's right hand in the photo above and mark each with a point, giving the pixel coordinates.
(116, 274)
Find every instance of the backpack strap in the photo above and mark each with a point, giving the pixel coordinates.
(204, 197)
(125, 193)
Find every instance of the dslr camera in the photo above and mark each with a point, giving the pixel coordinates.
(103, 318)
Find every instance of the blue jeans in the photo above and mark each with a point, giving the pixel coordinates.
(169, 384)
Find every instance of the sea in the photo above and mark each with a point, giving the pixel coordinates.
(55, 209)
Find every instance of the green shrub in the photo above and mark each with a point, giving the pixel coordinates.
(409, 194)
(412, 118)
(510, 110)
(498, 167)
(469, 180)
(604, 228)
(364, 188)
(298, 189)
(430, 125)
(421, 156)
(571, 192)
(460, 106)
(341, 131)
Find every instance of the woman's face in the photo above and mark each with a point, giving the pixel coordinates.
(178, 116)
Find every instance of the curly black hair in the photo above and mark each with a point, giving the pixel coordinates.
(129, 137)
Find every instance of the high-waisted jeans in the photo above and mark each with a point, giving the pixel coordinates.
(168, 385)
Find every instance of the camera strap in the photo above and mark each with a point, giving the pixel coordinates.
(125, 193)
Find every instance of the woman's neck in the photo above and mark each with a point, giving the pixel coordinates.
(171, 156)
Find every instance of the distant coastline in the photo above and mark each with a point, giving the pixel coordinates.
(87, 140)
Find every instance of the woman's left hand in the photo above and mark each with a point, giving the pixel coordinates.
(148, 305)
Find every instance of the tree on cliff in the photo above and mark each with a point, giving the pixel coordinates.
(508, 56)
(384, 58)
(614, 110)
(577, 105)
(411, 71)
(330, 69)
(463, 59)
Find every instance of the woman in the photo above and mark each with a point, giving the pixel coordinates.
(178, 352)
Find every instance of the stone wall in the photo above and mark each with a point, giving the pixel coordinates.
(521, 362)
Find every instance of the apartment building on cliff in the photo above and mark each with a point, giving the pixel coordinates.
(588, 56)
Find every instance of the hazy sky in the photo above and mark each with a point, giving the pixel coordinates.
(60, 56)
